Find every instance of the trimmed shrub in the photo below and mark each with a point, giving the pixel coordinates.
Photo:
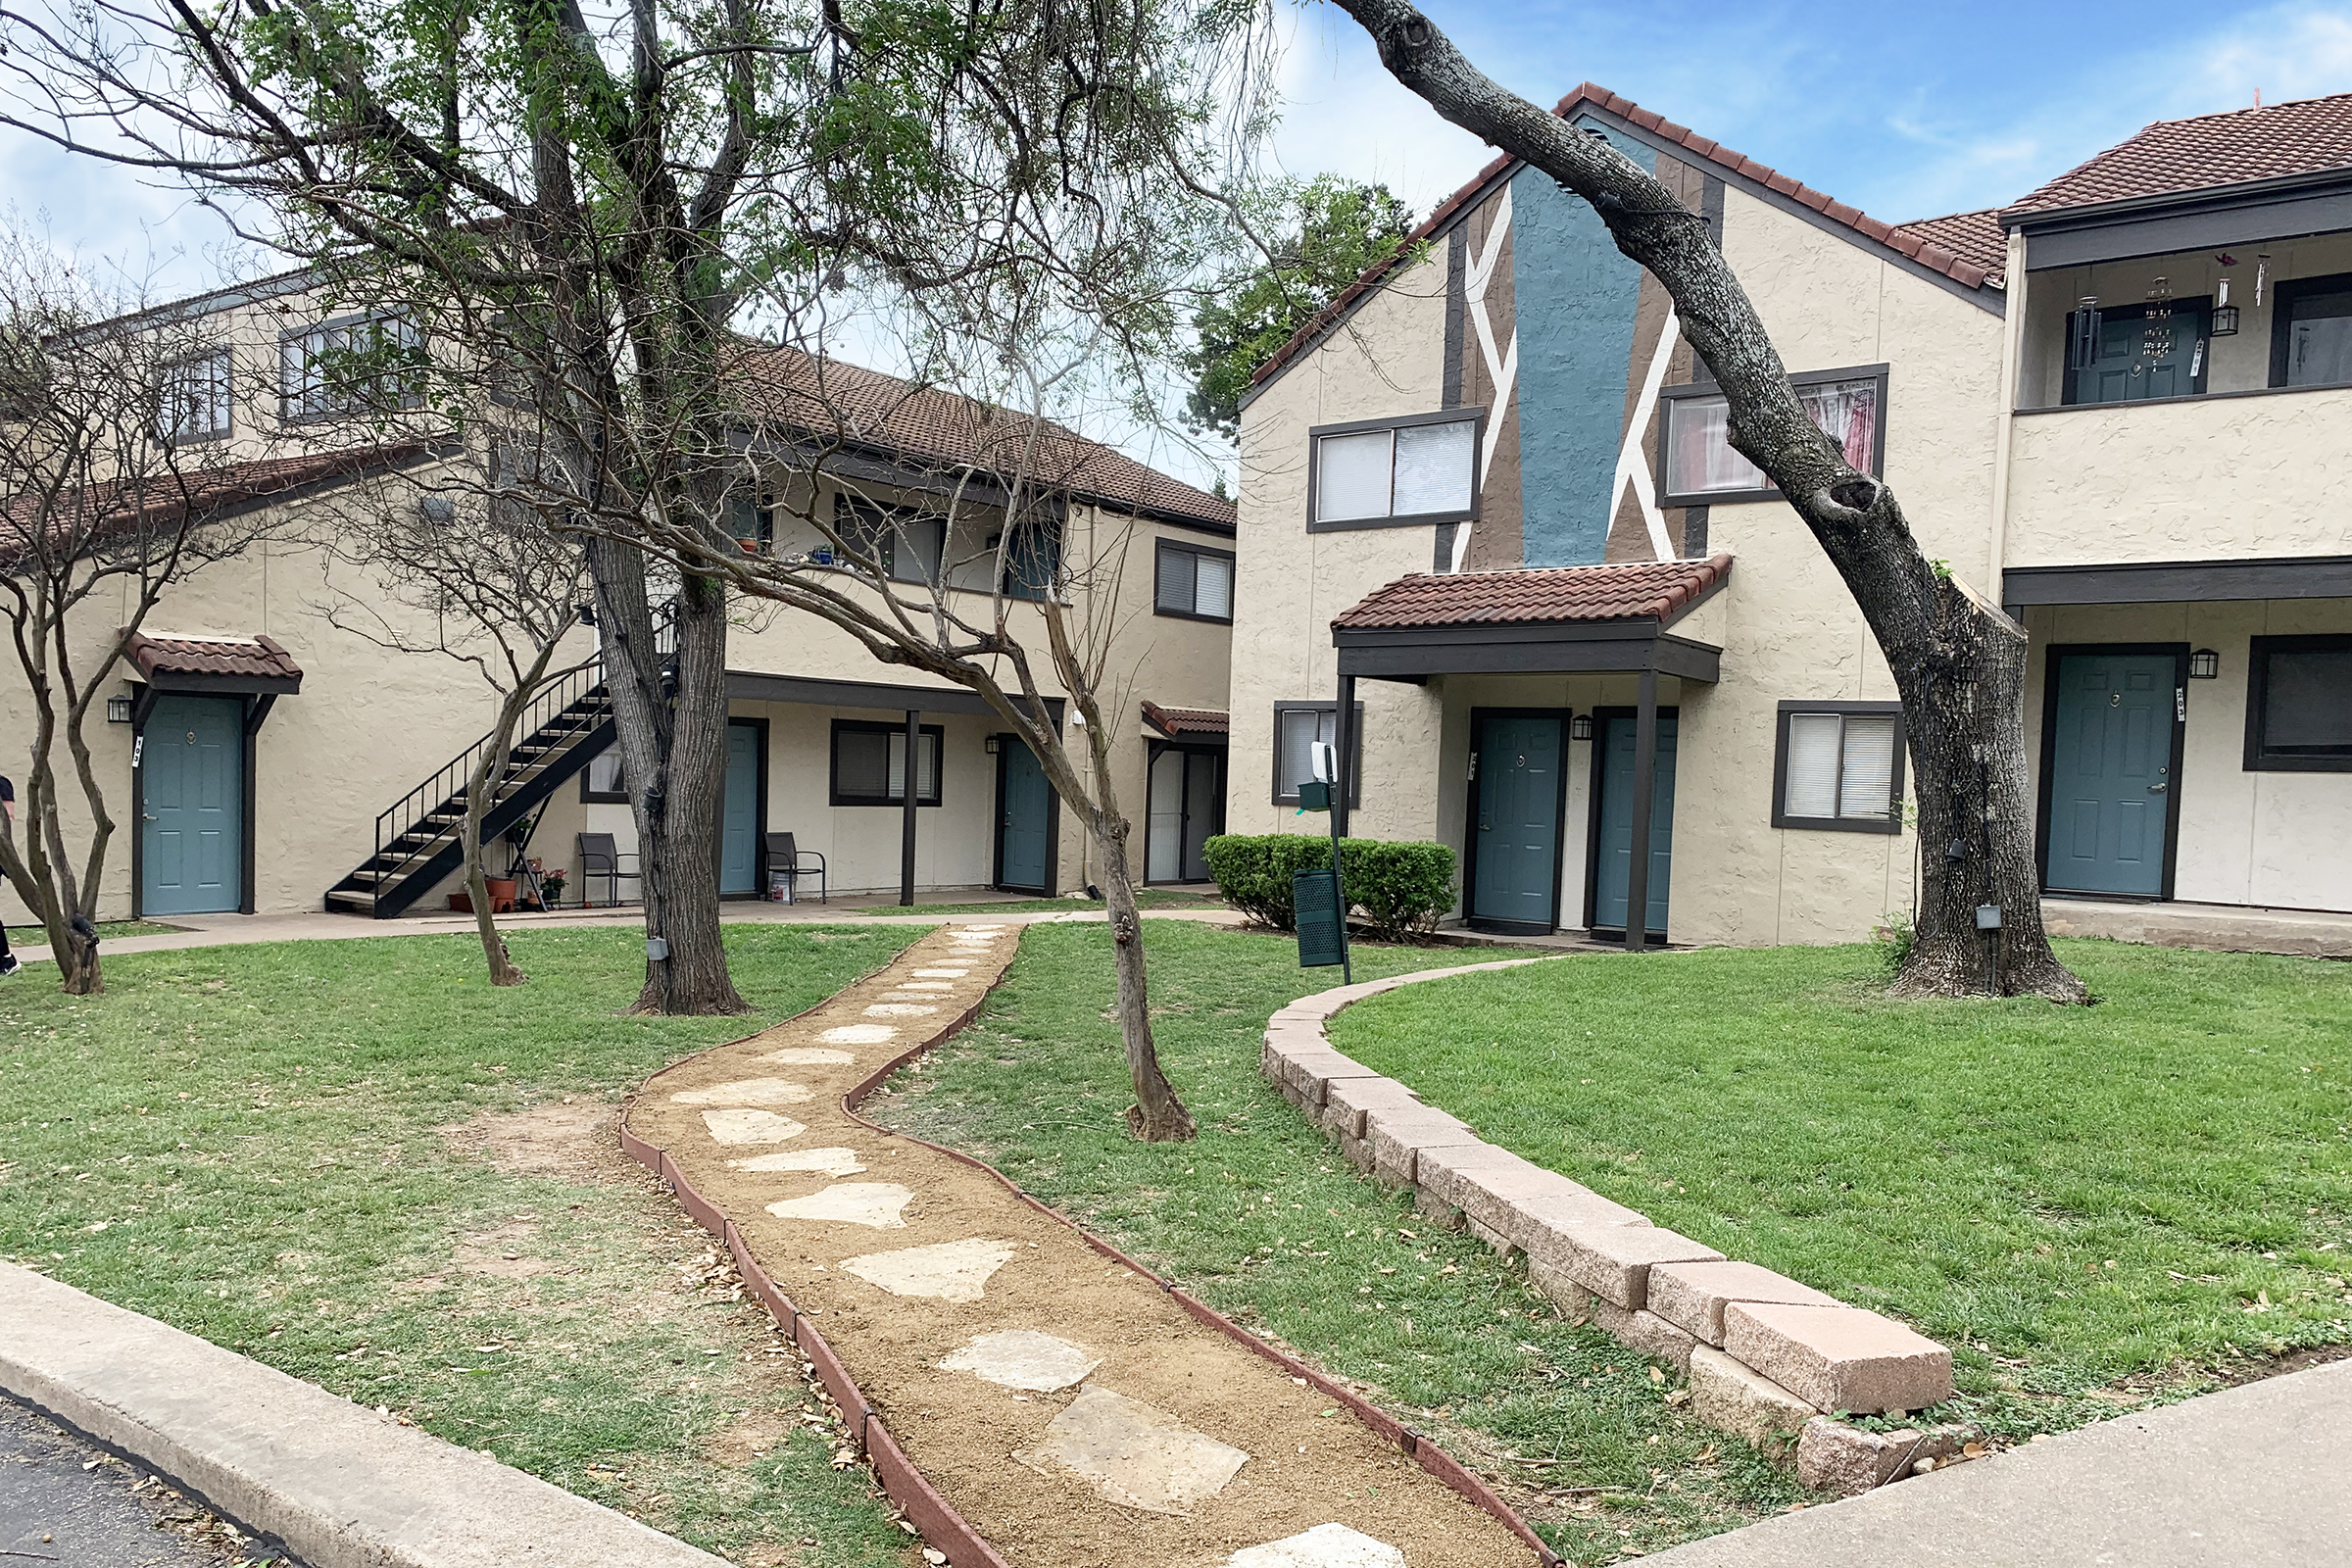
(1400, 890)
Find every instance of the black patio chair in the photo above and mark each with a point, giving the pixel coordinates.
(786, 859)
(601, 856)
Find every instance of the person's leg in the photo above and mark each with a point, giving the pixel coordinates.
(8, 959)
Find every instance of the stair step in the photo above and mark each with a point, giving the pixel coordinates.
(353, 897)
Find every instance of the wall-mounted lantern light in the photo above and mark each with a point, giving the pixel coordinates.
(1580, 728)
(2204, 664)
(989, 746)
(117, 709)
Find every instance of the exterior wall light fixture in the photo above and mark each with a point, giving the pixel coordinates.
(1580, 728)
(2205, 665)
(989, 746)
(117, 709)
(2224, 313)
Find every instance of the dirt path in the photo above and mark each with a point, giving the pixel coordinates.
(1072, 1412)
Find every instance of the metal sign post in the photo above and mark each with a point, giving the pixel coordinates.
(1319, 899)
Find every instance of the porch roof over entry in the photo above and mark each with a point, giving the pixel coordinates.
(203, 663)
(1550, 620)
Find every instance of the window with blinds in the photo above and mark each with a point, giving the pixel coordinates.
(1193, 581)
(1297, 728)
(870, 763)
(197, 400)
(1840, 765)
(1377, 473)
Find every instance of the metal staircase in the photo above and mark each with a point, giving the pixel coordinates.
(416, 837)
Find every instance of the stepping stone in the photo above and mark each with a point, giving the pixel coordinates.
(924, 985)
(899, 1009)
(744, 1126)
(874, 1204)
(824, 1162)
(945, 1271)
(859, 1034)
(941, 974)
(1134, 1453)
(1023, 1359)
(1324, 1546)
(748, 1092)
(810, 1056)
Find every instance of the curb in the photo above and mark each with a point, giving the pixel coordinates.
(1743, 1334)
(336, 1484)
(931, 1512)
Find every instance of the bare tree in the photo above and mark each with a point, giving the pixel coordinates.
(104, 507)
(464, 566)
(1958, 662)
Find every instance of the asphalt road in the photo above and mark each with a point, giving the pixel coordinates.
(68, 1502)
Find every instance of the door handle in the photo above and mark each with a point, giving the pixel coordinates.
(2155, 789)
(146, 816)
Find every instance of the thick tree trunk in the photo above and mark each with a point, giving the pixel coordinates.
(1157, 1116)
(1957, 661)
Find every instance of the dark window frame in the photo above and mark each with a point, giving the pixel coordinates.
(288, 412)
(1159, 571)
(2286, 292)
(1474, 417)
(1054, 528)
(222, 354)
(1893, 823)
(1668, 396)
(883, 519)
(1355, 747)
(595, 797)
(2202, 304)
(938, 734)
(2259, 758)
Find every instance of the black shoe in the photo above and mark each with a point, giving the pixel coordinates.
(9, 965)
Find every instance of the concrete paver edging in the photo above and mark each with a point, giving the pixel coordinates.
(940, 1523)
(338, 1485)
(1766, 1354)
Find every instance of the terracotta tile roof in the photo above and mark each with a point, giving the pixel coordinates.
(2308, 136)
(1977, 238)
(827, 397)
(1641, 590)
(1173, 721)
(117, 508)
(1925, 242)
(261, 657)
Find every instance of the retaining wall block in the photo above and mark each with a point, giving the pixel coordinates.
(1832, 1456)
(1444, 1172)
(1646, 1332)
(1613, 1261)
(1732, 1396)
(1312, 1071)
(1348, 1101)
(1692, 1296)
(1840, 1357)
(1357, 1151)
(1399, 1135)
(1558, 1206)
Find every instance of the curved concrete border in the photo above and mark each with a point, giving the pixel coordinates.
(1766, 1354)
(931, 1512)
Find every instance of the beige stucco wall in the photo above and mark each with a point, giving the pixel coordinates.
(2268, 838)
(2196, 480)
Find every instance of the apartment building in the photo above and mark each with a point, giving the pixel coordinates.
(283, 757)
(1494, 538)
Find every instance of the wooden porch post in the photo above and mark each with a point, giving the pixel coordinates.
(1646, 778)
(913, 780)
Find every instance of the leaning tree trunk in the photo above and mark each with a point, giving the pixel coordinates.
(1958, 662)
(477, 806)
(1157, 1116)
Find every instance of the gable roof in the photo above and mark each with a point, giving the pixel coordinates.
(1968, 248)
(1639, 590)
(830, 399)
(2306, 136)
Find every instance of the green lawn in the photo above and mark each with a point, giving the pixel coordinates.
(2153, 1192)
(35, 936)
(1260, 1218)
(248, 1143)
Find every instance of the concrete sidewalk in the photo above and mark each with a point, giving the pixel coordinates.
(235, 930)
(2253, 1477)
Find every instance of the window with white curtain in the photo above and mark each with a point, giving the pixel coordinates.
(1416, 471)
(1192, 580)
(1699, 465)
(1297, 728)
(1840, 765)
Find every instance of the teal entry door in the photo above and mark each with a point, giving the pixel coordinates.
(1613, 847)
(1516, 829)
(2140, 359)
(192, 810)
(739, 814)
(2109, 764)
(1024, 818)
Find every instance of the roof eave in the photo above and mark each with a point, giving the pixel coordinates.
(2238, 193)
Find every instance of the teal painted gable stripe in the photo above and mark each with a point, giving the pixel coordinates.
(1573, 296)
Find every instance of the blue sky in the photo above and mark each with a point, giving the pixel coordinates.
(1903, 110)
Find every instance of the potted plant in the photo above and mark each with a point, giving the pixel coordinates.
(551, 887)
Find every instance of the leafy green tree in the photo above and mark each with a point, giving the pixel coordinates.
(1332, 229)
